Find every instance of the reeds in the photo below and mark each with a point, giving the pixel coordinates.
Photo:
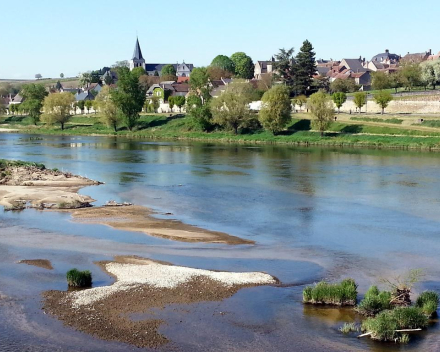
(341, 294)
(428, 302)
(374, 302)
(76, 278)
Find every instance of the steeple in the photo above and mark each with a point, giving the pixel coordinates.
(137, 53)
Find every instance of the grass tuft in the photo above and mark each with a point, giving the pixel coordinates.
(374, 302)
(428, 302)
(349, 327)
(341, 294)
(76, 278)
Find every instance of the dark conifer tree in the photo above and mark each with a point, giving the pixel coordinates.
(304, 69)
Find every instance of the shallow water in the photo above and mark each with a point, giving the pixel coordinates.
(314, 213)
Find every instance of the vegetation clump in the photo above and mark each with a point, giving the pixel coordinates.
(341, 294)
(349, 327)
(386, 325)
(76, 278)
(428, 302)
(374, 302)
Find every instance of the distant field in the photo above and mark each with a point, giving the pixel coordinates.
(69, 82)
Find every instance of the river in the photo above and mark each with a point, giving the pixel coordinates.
(314, 213)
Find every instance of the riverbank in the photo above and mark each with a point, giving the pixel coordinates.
(343, 133)
(142, 285)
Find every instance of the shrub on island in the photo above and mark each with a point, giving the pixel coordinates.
(76, 278)
(428, 302)
(340, 294)
(374, 302)
(388, 325)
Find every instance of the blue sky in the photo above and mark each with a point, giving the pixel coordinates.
(50, 37)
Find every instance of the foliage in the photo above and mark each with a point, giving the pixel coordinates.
(382, 99)
(119, 64)
(61, 75)
(38, 76)
(224, 63)
(339, 98)
(374, 119)
(110, 114)
(411, 74)
(231, 108)
(343, 293)
(179, 101)
(428, 302)
(76, 278)
(284, 67)
(344, 85)
(168, 70)
(33, 95)
(57, 108)
(395, 80)
(321, 83)
(322, 110)
(215, 73)
(360, 99)
(349, 327)
(138, 71)
(130, 96)
(430, 73)
(374, 302)
(244, 66)
(380, 80)
(199, 83)
(383, 327)
(265, 82)
(85, 79)
(88, 105)
(305, 68)
(276, 108)
(300, 100)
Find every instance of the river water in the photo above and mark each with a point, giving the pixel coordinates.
(314, 214)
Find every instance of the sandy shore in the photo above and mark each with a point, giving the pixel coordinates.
(141, 219)
(140, 286)
(42, 187)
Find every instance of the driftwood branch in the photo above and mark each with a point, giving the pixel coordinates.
(403, 330)
(366, 334)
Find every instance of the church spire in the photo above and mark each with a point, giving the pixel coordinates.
(137, 53)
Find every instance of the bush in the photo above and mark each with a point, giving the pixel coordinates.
(383, 327)
(76, 278)
(342, 294)
(428, 302)
(374, 302)
(349, 327)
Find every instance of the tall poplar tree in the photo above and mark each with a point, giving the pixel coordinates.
(304, 68)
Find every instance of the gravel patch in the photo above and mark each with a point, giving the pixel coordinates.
(129, 276)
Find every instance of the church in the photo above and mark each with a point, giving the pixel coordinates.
(182, 70)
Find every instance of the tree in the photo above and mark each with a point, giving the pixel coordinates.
(411, 74)
(130, 96)
(138, 71)
(283, 66)
(123, 63)
(339, 98)
(61, 75)
(199, 83)
(171, 102)
(57, 108)
(58, 86)
(147, 81)
(108, 109)
(344, 85)
(38, 76)
(382, 99)
(380, 80)
(321, 83)
(33, 95)
(395, 80)
(179, 101)
(81, 105)
(244, 66)
(360, 99)
(108, 79)
(231, 108)
(224, 63)
(88, 104)
(322, 110)
(85, 79)
(216, 73)
(300, 100)
(168, 70)
(304, 68)
(428, 75)
(156, 74)
(265, 82)
(276, 108)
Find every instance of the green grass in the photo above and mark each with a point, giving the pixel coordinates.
(4, 164)
(374, 302)
(375, 119)
(297, 133)
(430, 123)
(341, 294)
(76, 278)
(383, 327)
(428, 302)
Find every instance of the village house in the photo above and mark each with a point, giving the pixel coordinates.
(263, 67)
(417, 57)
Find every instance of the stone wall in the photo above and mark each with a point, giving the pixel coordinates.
(396, 107)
